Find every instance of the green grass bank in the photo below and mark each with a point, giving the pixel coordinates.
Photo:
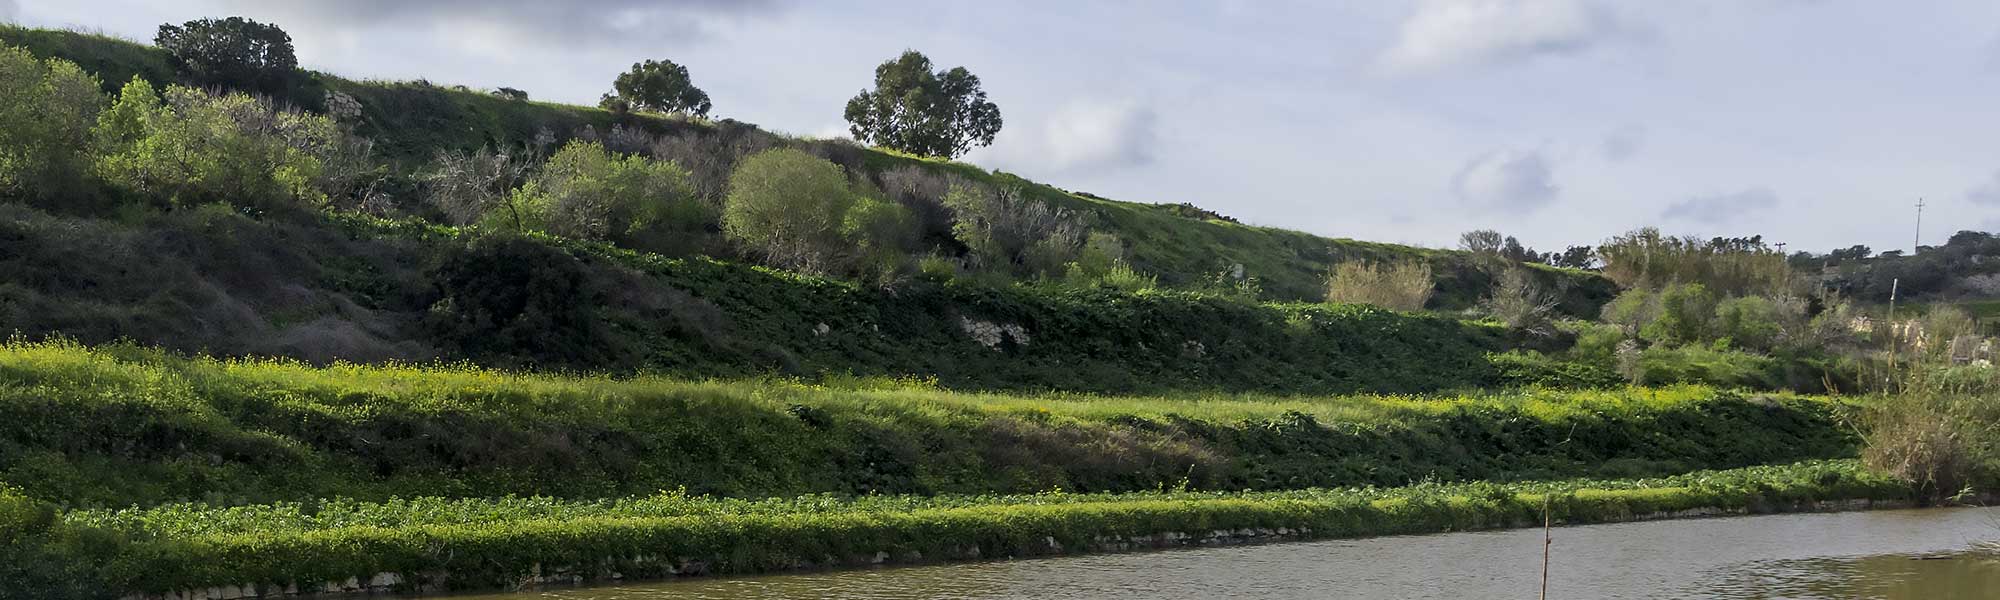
(120, 425)
(434, 544)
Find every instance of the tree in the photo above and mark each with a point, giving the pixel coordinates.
(657, 86)
(46, 112)
(234, 52)
(915, 110)
(474, 186)
(1481, 241)
(790, 207)
(1576, 257)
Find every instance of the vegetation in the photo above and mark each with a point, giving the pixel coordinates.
(443, 544)
(47, 108)
(1402, 286)
(236, 53)
(915, 110)
(657, 86)
(122, 425)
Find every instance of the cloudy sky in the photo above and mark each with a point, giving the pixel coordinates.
(1814, 122)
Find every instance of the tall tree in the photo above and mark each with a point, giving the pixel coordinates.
(916, 110)
(658, 86)
(233, 52)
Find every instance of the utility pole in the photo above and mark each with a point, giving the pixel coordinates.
(1919, 240)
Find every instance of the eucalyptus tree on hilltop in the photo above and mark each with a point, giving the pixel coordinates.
(657, 86)
(916, 110)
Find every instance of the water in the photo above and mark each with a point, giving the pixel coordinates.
(1906, 554)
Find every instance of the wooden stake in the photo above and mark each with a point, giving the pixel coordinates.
(1547, 540)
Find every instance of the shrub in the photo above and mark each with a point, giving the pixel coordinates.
(882, 234)
(1736, 267)
(584, 191)
(234, 52)
(1686, 316)
(1521, 302)
(1404, 286)
(1752, 322)
(1007, 231)
(514, 94)
(505, 296)
(1943, 443)
(196, 148)
(46, 111)
(659, 86)
(470, 187)
(789, 207)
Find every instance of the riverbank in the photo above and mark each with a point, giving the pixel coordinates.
(120, 426)
(191, 551)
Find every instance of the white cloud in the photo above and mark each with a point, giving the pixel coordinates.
(1448, 33)
(485, 25)
(1506, 180)
(1622, 142)
(1082, 135)
(1987, 192)
(1718, 209)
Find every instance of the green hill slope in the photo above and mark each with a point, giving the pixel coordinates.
(411, 121)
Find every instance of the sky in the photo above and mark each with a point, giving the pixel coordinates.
(1817, 123)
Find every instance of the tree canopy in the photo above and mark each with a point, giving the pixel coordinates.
(916, 110)
(233, 52)
(658, 86)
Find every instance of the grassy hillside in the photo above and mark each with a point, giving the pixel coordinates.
(410, 121)
(120, 426)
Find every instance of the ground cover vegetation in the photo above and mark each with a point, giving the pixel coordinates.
(481, 544)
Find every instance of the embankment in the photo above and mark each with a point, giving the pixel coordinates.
(431, 545)
(117, 426)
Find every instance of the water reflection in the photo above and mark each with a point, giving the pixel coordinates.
(1846, 555)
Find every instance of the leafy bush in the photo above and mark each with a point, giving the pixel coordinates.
(1686, 316)
(789, 207)
(1006, 231)
(195, 148)
(502, 296)
(882, 234)
(584, 191)
(46, 111)
(1404, 286)
(1755, 323)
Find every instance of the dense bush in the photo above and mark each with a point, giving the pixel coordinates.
(194, 148)
(47, 109)
(1647, 259)
(1403, 286)
(1007, 231)
(509, 299)
(584, 191)
(789, 207)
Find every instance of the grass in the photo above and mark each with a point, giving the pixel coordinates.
(477, 544)
(123, 425)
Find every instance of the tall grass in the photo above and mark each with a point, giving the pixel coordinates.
(1940, 431)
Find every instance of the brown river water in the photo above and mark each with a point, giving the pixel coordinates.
(1934, 554)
